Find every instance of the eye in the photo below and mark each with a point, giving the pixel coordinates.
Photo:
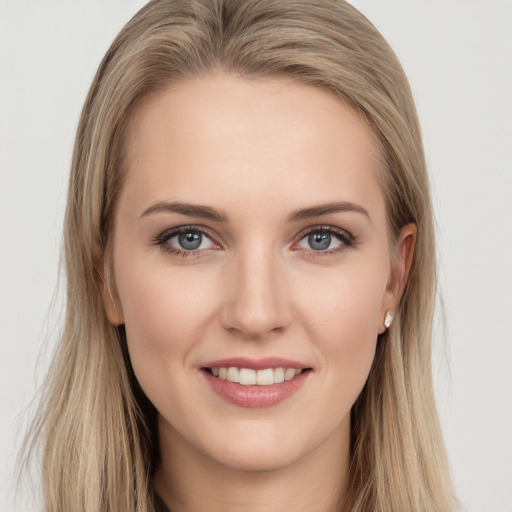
(190, 241)
(185, 240)
(325, 239)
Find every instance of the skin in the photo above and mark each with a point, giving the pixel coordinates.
(257, 151)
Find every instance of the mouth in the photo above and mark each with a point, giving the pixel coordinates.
(253, 377)
(256, 383)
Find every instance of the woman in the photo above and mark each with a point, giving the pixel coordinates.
(251, 272)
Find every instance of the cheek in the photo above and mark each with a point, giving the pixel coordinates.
(342, 318)
(164, 312)
(346, 304)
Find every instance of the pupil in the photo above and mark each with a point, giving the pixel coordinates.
(190, 241)
(319, 241)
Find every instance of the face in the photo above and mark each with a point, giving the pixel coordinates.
(250, 244)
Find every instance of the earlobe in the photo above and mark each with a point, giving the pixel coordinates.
(401, 266)
(112, 309)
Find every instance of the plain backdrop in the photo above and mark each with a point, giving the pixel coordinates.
(458, 56)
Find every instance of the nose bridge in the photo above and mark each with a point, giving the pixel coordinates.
(257, 303)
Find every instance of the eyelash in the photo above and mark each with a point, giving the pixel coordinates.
(162, 239)
(348, 240)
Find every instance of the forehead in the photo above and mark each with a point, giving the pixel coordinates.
(259, 139)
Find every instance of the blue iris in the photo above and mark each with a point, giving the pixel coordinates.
(319, 241)
(190, 241)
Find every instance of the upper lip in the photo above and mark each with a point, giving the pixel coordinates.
(256, 364)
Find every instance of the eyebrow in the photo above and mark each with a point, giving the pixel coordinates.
(192, 210)
(325, 209)
(207, 212)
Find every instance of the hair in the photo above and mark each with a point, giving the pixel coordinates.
(95, 428)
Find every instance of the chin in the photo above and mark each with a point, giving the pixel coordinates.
(258, 447)
(257, 460)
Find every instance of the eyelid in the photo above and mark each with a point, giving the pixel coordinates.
(348, 240)
(161, 239)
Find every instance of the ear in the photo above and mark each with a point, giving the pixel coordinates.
(112, 307)
(400, 268)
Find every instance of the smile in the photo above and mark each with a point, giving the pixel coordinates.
(251, 383)
(251, 377)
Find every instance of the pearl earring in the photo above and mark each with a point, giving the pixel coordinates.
(388, 319)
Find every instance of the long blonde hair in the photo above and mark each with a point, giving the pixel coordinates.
(95, 427)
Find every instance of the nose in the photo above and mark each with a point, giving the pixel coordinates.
(256, 302)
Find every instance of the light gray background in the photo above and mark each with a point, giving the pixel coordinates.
(458, 55)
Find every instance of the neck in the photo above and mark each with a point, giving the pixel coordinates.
(188, 481)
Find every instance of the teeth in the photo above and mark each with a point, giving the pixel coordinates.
(265, 377)
(278, 375)
(289, 373)
(249, 377)
(232, 374)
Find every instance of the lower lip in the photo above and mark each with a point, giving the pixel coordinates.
(255, 397)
